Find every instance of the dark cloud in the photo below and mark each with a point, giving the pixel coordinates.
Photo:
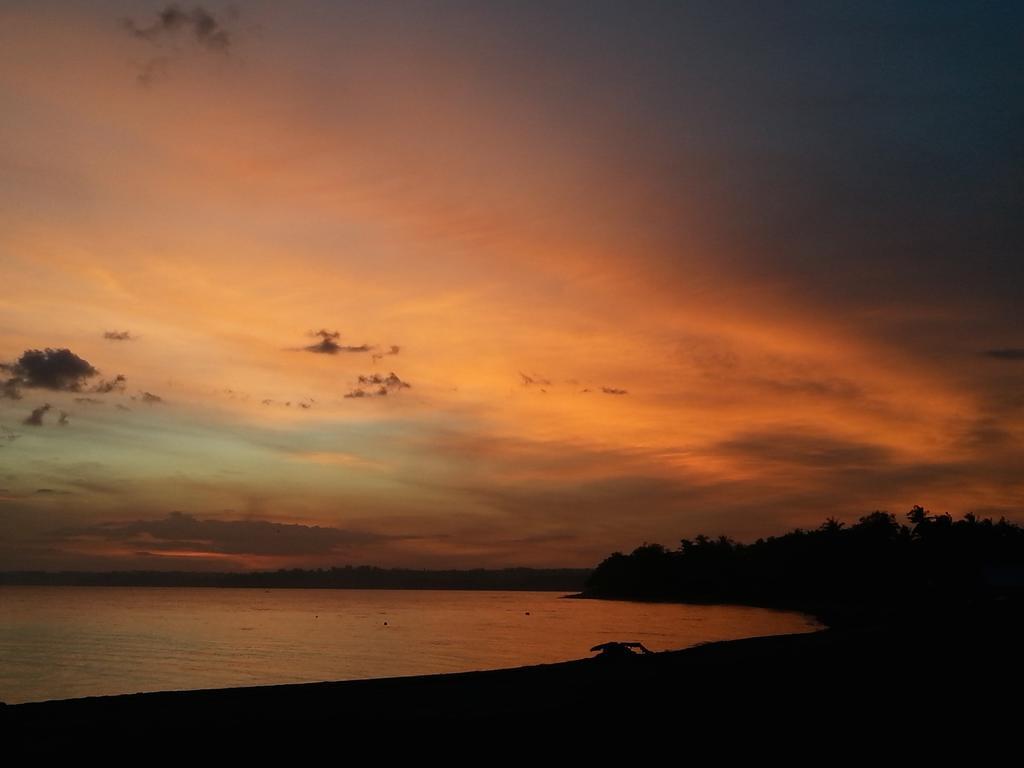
(57, 369)
(204, 26)
(89, 400)
(614, 391)
(329, 344)
(328, 347)
(107, 386)
(180, 531)
(391, 381)
(149, 397)
(384, 385)
(118, 336)
(1009, 353)
(35, 419)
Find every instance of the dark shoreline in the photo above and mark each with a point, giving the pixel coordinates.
(943, 661)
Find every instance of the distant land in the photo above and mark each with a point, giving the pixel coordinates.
(347, 577)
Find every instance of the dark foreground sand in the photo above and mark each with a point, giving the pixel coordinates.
(960, 668)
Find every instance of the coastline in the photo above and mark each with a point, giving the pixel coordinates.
(923, 662)
(464, 696)
(829, 615)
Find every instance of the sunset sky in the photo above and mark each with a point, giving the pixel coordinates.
(610, 273)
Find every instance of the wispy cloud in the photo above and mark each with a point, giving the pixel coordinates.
(181, 532)
(35, 419)
(107, 386)
(204, 26)
(1008, 353)
(171, 25)
(9, 389)
(393, 349)
(339, 459)
(535, 380)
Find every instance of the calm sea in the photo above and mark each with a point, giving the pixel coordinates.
(64, 642)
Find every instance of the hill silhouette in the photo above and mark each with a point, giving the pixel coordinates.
(346, 577)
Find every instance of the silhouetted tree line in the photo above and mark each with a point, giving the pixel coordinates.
(347, 577)
(876, 560)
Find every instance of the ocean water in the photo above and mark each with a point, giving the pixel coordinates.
(65, 642)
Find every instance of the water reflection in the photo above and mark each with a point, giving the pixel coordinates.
(62, 642)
